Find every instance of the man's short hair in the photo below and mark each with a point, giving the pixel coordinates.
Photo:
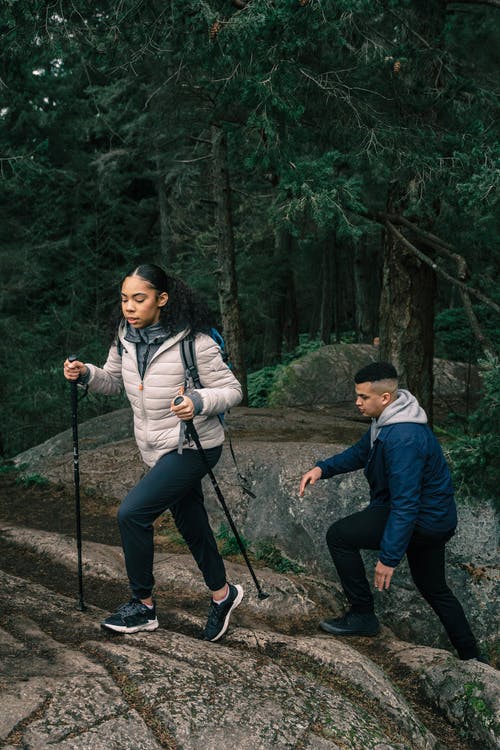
(376, 371)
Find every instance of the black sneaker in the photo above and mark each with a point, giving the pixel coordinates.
(219, 614)
(352, 623)
(132, 617)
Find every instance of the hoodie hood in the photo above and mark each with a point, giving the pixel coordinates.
(404, 409)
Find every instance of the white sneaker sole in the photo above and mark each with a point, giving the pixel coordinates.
(236, 602)
(150, 625)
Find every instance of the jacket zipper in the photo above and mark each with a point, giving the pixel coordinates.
(142, 370)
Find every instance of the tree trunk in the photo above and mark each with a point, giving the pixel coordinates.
(166, 258)
(366, 290)
(326, 311)
(281, 305)
(291, 326)
(227, 286)
(407, 320)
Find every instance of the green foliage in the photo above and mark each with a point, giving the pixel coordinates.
(454, 338)
(268, 553)
(6, 468)
(32, 480)
(264, 551)
(261, 382)
(475, 704)
(227, 542)
(473, 456)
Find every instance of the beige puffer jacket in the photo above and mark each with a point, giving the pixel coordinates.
(156, 427)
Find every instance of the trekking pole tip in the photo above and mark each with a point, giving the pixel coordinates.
(263, 595)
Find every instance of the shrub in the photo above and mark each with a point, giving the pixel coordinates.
(473, 456)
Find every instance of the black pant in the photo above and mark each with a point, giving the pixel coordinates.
(425, 554)
(173, 483)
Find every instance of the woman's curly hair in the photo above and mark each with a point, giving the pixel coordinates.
(184, 309)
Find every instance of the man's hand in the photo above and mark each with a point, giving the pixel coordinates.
(310, 477)
(383, 575)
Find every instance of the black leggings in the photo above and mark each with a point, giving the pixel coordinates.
(426, 558)
(173, 483)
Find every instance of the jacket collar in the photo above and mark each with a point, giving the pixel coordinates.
(171, 337)
(153, 334)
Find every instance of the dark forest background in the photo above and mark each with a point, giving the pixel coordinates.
(321, 171)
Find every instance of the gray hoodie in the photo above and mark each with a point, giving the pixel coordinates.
(404, 409)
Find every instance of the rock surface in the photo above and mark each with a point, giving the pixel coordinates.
(65, 683)
(273, 450)
(275, 680)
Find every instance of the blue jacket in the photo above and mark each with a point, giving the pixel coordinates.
(406, 469)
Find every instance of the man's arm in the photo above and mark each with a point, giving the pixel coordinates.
(351, 459)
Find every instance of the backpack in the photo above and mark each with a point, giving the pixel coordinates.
(188, 356)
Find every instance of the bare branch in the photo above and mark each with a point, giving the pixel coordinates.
(190, 161)
(494, 3)
(474, 324)
(407, 26)
(440, 271)
(433, 241)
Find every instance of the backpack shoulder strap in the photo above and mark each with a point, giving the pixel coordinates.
(188, 355)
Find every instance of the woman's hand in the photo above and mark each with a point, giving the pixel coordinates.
(73, 370)
(184, 410)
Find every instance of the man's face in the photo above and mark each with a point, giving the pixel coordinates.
(369, 402)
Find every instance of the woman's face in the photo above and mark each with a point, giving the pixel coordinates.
(141, 304)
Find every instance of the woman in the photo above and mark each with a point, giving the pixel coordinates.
(158, 312)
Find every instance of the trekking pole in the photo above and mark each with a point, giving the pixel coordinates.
(191, 430)
(76, 477)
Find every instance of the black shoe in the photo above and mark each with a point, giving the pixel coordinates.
(132, 617)
(352, 623)
(219, 614)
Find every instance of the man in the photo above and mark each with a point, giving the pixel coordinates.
(412, 509)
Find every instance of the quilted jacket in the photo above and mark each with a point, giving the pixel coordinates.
(156, 428)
